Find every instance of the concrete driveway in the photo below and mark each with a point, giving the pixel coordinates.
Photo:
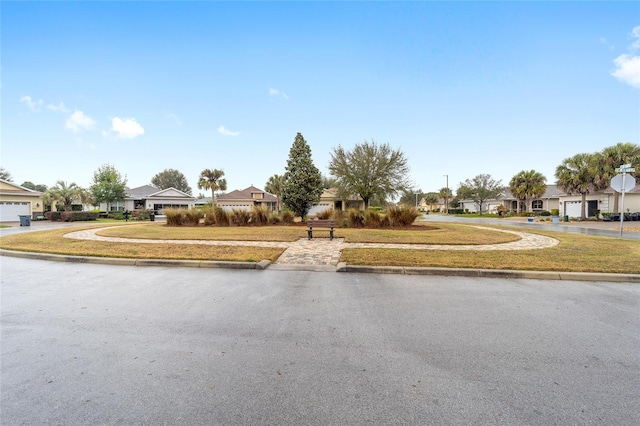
(101, 344)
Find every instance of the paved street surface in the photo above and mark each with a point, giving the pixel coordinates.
(99, 344)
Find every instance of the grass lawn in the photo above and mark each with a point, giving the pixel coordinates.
(578, 253)
(420, 234)
(53, 242)
(575, 253)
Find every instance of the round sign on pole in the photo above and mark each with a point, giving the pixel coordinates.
(629, 183)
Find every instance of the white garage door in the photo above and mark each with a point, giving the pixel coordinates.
(9, 211)
(319, 208)
(572, 208)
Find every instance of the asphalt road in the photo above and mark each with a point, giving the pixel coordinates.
(101, 344)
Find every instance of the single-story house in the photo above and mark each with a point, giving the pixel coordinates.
(331, 200)
(16, 201)
(246, 199)
(151, 198)
(568, 205)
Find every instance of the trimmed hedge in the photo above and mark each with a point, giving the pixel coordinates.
(71, 216)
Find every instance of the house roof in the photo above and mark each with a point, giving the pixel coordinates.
(148, 191)
(247, 194)
(10, 188)
(142, 191)
(552, 191)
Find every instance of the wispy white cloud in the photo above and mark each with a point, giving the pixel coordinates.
(226, 132)
(174, 117)
(127, 128)
(628, 65)
(32, 103)
(635, 32)
(276, 92)
(58, 108)
(79, 121)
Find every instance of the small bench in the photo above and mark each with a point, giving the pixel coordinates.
(321, 223)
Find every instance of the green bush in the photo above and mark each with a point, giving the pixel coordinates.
(141, 214)
(544, 213)
(524, 214)
(555, 212)
(115, 215)
(402, 215)
(456, 211)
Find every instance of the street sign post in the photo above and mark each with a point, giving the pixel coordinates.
(621, 184)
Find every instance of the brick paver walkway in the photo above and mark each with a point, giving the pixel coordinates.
(322, 251)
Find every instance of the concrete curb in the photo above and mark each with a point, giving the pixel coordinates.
(341, 267)
(494, 273)
(137, 262)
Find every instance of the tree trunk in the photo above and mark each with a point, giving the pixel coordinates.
(213, 197)
(583, 207)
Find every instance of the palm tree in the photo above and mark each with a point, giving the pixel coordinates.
(212, 179)
(527, 185)
(613, 157)
(576, 175)
(65, 193)
(446, 194)
(274, 186)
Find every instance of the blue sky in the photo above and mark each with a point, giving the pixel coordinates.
(462, 88)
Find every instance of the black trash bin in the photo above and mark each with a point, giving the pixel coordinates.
(566, 218)
(25, 220)
(152, 217)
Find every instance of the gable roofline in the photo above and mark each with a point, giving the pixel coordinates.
(20, 190)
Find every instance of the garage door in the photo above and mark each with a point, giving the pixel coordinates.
(9, 211)
(319, 208)
(572, 208)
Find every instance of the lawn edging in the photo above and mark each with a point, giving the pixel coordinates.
(261, 265)
(492, 273)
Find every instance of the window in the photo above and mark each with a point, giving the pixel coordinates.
(536, 205)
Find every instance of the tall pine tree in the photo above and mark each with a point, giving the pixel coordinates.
(302, 180)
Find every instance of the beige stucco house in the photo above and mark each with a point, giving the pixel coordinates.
(16, 201)
(331, 200)
(246, 199)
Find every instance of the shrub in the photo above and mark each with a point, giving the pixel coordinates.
(402, 215)
(259, 215)
(223, 218)
(555, 212)
(141, 214)
(209, 216)
(326, 214)
(54, 216)
(74, 216)
(373, 218)
(457, 211)
(287, 217)
(192, 217)
(544, 213)
(175, 217)
(240, 217)
(355, 218)
(524, 214)
(116, 215)
(274, 218)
